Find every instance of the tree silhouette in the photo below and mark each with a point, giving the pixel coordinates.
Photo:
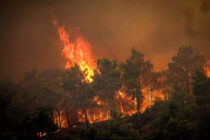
(134, 73)
(183, 66)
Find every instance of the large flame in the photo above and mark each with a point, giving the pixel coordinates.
(76, 52)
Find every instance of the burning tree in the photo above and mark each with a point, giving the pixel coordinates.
(134, 72)
(107, 81)
(78, 90)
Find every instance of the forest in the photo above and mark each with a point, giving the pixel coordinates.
(128, 100)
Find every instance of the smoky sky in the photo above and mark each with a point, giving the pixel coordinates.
(156, 28)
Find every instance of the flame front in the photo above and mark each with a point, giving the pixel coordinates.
(76, 52)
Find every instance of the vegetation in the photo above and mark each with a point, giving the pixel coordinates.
(28, 108)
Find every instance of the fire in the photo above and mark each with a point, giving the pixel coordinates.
(150, 97)
(98, 114)
(41, 134)
(76, 52)
(127, 105)
(207, 68)
(60, 118)
(123, 102)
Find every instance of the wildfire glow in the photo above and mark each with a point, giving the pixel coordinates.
(123, 102)
(76, 52)
(41, 134)
(207, 68)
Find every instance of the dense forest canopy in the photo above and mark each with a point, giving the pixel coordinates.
(115, 105)
(104, 70)
(157, 28)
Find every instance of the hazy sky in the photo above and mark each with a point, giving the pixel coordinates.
(155, 27)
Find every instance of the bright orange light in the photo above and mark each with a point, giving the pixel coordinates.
(207, 68)
(150, 97)
(76, 52)
(41, 134)
(127, 105)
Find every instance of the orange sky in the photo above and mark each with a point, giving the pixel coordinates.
(156, 28)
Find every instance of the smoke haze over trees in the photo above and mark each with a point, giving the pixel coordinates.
(157, 28)
(104, 69)
(62, 104)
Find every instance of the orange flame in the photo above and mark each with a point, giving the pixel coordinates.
(76, 52)
(207, 68)
(127, 105)
(41, 134)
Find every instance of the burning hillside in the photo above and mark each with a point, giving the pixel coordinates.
(105, 70)
(78, 52)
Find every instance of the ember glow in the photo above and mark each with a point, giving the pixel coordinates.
(77, 52)
(124, 104)
(150, 97)
(127, 105)
(207, 68)
(41, 134)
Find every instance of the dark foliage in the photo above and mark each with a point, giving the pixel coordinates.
(27, 107)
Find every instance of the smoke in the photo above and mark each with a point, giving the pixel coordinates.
(189, 22)
(205, 6)
(156, 27)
